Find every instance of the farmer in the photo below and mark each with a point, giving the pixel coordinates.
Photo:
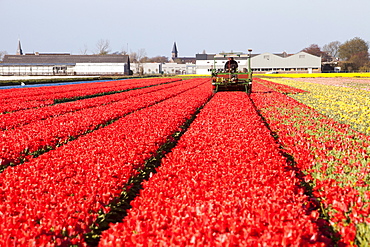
(231, 65)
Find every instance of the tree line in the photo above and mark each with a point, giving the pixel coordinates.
(352, 55)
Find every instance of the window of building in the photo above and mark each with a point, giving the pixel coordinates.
(301, 56)
(266, 57)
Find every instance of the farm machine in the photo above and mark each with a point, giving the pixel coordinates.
(230, 78)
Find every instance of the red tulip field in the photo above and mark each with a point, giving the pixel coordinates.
(165, 162)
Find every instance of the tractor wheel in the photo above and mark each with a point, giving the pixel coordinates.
(214, 89)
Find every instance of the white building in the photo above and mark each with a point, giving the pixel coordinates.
(65, 64)
(146, 68)
(265, 62)
(163, 68)
(182, 69)
(299, 62)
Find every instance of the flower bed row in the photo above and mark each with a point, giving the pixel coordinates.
(25, 98)
(18, 118)
(281, 88)
(69, 88)
(335, 99)
(34, 138)
(224, 184)
(54, 199)
(334, 158)
(355, 83)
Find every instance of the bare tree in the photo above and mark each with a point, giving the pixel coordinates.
(138, 58)
(124, 50)
(332, 48)
(103, 47)
(2, 54)
(133, 57)
(83, 51)
(141, 54)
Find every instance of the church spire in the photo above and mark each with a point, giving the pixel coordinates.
(174, 51)
(19, 50)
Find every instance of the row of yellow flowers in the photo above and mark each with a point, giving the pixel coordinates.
(348, 105)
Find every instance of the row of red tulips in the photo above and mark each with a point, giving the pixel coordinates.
(334, 158)
(224, 184)
(34, 138)
(53, 199)
(25, 98)
(69, 88)
(18, 118)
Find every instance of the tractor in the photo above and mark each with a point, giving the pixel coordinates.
(230, 79)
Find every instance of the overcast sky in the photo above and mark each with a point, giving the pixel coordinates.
(196, 25)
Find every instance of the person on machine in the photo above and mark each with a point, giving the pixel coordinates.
(231, 65)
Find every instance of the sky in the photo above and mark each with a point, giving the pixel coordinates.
(213, 26)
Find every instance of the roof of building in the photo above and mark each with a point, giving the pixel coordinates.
(222, 56)
(182, 60)
(64, 59)
(37, 64)
(204, 56)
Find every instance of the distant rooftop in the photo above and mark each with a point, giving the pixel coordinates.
(63, 58)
